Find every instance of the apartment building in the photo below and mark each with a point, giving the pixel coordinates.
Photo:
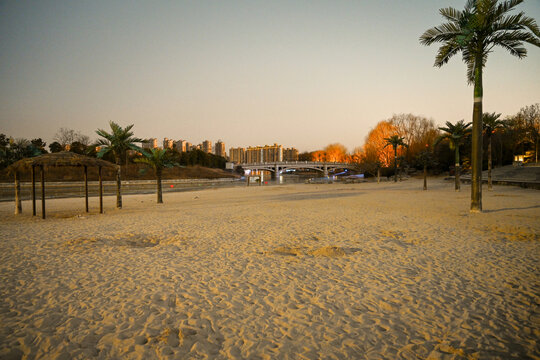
(267, 153)
(219, 149)
(181, 145)
(168, 143)
(290, 154)
(206, 146)
(149, 143)
(237, 155)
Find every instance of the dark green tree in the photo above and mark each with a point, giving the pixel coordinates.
(427, 159)
(455, 134)
(55, 147)
(117, 142)
(475, 31)
(491, 124)
(39, 144)
(157, 159)
(78, 148)
(395, 141)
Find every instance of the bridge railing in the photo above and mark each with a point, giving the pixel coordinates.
(295, 162)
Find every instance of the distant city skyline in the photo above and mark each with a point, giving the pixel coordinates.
(301, 73)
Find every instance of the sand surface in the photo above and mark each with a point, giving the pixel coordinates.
(280, 272)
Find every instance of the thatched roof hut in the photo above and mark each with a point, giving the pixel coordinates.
(63, 158)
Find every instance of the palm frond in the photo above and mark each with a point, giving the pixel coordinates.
(103, 151)
(441, 33)
(445, 53)
(450, 14)
(513, 41)
(470, 6)
(506, 6)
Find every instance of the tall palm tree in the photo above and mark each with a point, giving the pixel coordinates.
(474, 32)
(117, 142)
(158, 159)
(491, 124)
(455, 134)
(395, 141)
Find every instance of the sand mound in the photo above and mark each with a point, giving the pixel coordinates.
(328, 251)
(129, 240)
(170, 336)
(286, 250)
(514, 233)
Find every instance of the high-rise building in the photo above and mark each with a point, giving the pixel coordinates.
(189, 146)
(206, 146)
(254, 154)
(290, 154)
(168, 143)
(219, 149)
(181, 145)
(237, 155)
(149, 143)
(272, 153)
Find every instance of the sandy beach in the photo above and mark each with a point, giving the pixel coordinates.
(321, 271)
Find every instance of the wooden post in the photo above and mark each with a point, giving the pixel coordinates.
(42, 192)
(18, 204)
(33, 190)
(100, 191)
(86, 185)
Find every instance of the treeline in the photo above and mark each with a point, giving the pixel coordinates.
(12, 150)
(517, 134)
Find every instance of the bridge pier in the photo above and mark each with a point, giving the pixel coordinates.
(275, 174)
(325, 170)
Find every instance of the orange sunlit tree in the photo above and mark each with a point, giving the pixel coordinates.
(336, 153)
(375, 149)
(331, 153)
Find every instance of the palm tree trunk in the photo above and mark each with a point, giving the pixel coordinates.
(425, 177)
(501, 152)
(476, 154)
(18, 204)
(395, 164)
(490, 187)
(118, 185)
(457, 170)
(159, 191)
(536, 151)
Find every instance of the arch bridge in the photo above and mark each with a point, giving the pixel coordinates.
(277, 167)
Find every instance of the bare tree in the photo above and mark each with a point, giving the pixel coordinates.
(65, 136)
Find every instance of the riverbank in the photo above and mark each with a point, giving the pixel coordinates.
(296, 271)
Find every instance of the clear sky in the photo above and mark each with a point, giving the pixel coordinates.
(299, 73)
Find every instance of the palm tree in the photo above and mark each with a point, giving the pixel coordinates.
(474, 32)
(491, 124)
(425, 157)
(455, 134)
(157, 159)
(117, 142)
(395, 141)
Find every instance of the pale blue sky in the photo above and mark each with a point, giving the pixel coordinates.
(299, 73)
